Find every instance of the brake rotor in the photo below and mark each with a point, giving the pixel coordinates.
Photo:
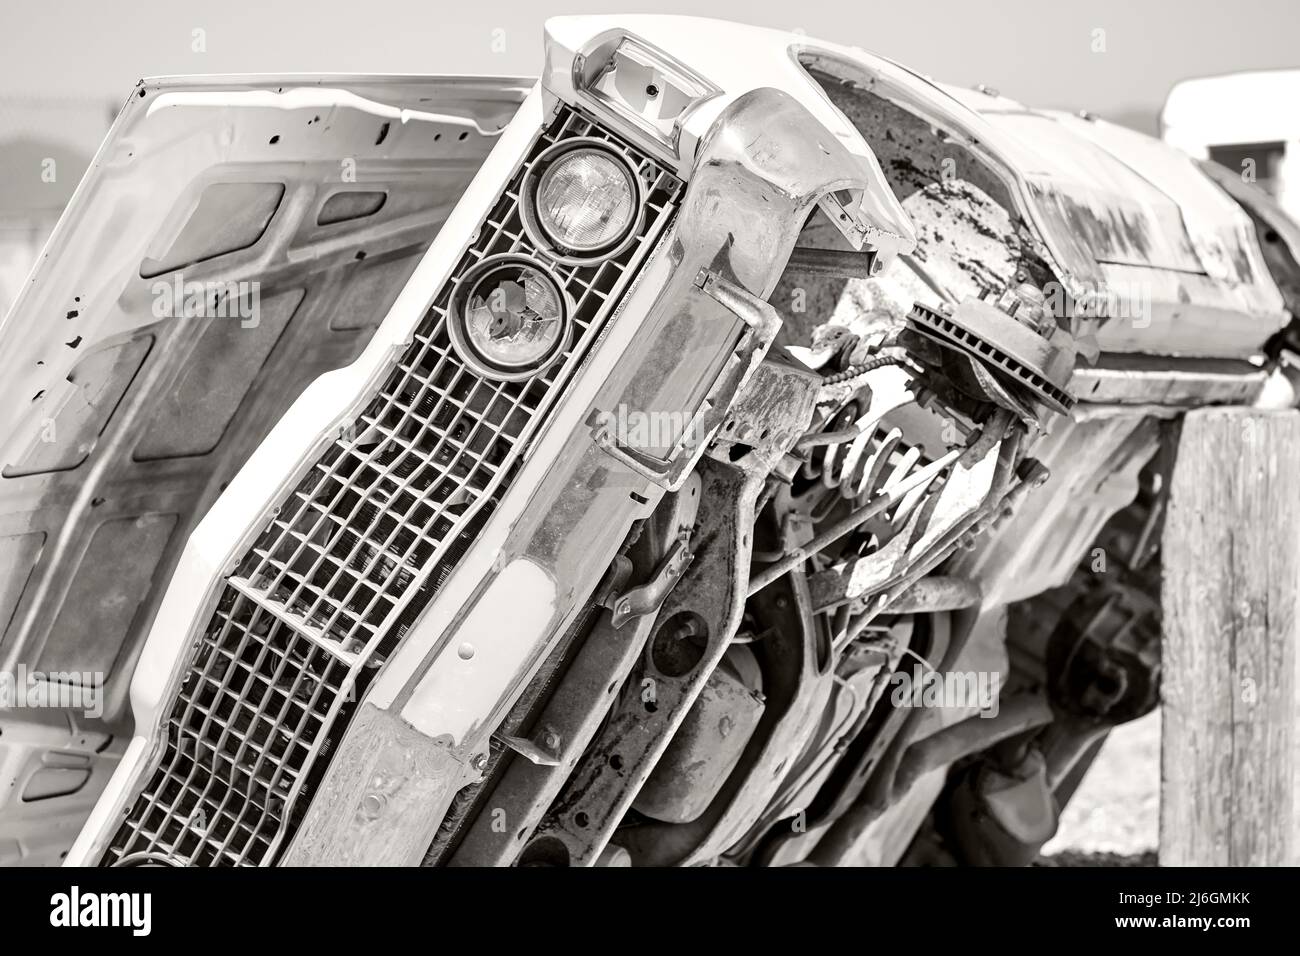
(1008, 347)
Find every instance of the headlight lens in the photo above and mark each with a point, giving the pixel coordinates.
(586, 200)
(512, 321)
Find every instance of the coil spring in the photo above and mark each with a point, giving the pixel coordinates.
(862, 468)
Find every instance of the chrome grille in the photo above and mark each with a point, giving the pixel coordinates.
(350, 558)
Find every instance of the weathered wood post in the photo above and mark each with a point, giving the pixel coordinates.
(1231, 554)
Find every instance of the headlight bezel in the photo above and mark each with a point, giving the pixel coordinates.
(458, 319)
(552, 246)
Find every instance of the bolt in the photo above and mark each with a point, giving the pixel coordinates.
(373, 804)
(479, 762)
(551, 740)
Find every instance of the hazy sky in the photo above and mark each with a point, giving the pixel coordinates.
(1039, 51)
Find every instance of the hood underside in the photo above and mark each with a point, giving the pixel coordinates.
(232, 241)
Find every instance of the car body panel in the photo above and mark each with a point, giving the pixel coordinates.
(125, 415)
(1127, 226)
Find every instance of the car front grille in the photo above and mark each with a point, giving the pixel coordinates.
(352, 555)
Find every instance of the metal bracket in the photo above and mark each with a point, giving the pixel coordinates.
(543, 754)
(647, 598)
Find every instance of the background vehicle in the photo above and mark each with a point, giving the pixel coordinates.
(597, 472)
(1235, 121)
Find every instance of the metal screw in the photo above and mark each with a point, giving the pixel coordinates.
(479, 762)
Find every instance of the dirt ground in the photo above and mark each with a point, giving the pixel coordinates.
(1114, 818)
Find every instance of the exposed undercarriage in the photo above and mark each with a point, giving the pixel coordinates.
(788, 662)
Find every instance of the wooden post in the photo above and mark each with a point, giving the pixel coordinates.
(1231, 554)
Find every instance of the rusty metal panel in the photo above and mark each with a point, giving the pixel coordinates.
(1084, 193)
(1099, 199)
(1220, 233)
(705, 749)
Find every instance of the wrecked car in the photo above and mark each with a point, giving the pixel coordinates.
(699, 455)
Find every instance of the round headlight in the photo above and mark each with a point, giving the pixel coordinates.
(511, 322)
(586, 200)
